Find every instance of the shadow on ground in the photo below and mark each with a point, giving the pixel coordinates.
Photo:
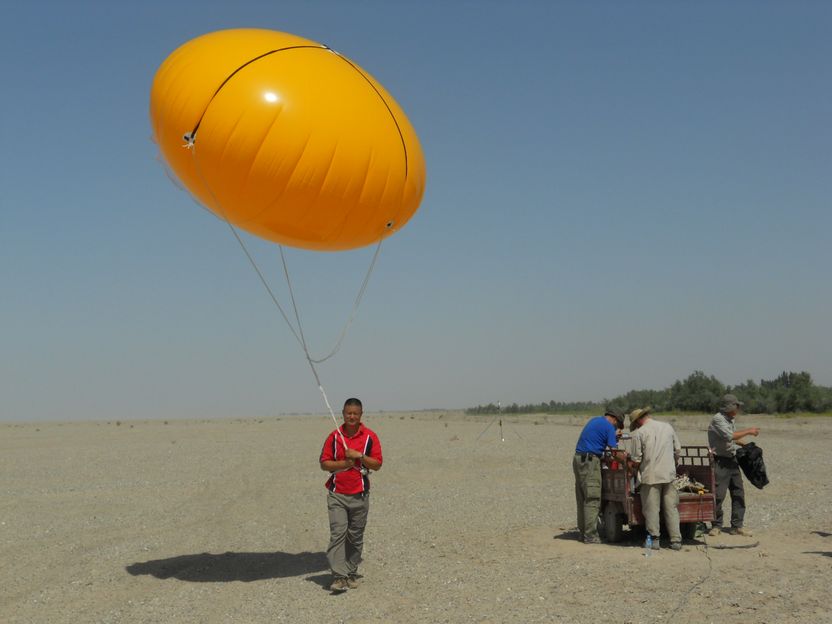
(629, 538)
(320, 579)
(633, 537)
(230, 566)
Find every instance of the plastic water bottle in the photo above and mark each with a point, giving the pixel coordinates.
(648, 545)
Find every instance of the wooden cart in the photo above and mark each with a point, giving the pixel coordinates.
(621, 505)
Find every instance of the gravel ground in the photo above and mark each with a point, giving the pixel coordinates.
(225, 521)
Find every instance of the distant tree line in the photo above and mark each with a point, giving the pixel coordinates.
(552, 407)
(788, 393)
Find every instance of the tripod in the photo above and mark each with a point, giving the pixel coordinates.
(497, 418)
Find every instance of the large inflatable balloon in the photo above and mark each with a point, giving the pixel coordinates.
(287, 139)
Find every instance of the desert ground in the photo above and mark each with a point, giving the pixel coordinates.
(225, 521)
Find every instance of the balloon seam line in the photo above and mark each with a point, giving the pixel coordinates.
(386, 105)
(232, 74)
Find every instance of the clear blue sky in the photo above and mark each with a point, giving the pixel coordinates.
(618, 194)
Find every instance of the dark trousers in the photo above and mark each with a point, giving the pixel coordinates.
(729, 479)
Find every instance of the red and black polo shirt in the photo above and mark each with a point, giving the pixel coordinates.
(350, 481)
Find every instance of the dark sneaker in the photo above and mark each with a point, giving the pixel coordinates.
(592, 539)
(339, 584)
(352, 581)
(676, 546)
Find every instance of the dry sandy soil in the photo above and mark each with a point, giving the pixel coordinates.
(225, 521)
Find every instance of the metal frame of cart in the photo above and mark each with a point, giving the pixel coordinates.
(620, 503)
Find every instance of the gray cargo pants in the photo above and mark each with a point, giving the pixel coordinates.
(347, 519)
(587, 469)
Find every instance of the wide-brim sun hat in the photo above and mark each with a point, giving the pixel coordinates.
(638, 414)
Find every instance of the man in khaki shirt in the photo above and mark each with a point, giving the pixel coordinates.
(656, 450)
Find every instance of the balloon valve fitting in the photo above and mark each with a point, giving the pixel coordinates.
(189, 138)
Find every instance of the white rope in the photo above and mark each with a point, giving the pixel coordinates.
(297, 333)
(331, 413)
(351, 317)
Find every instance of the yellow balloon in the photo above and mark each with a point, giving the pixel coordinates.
(287, 139)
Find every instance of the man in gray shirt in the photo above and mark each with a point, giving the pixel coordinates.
(724, 440)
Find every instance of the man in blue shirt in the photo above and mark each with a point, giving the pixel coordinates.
(598, 434)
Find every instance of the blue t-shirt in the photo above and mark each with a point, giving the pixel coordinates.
(597, 435)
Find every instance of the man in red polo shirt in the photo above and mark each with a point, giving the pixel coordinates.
(349, 453)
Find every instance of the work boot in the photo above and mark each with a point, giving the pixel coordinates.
(740, 531)
(715, 530)
(352, 581)
(339, 584)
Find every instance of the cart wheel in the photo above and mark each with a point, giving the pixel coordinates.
(688, 530)
(613, 528)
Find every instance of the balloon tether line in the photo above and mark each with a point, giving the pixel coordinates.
(298, 334)
(351, 317)
(311, 361)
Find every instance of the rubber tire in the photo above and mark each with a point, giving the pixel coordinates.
(688, 530)
(613, 528)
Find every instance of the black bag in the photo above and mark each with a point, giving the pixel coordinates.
(750, 459)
